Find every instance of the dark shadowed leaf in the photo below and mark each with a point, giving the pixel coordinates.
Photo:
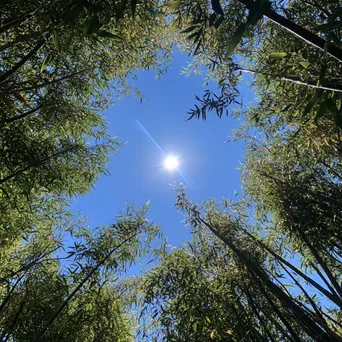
(106, 34)
(189, 29)
(321, 111)
(235, 40)
(71, 14)
(134, 6)
(216, 6)
(315, 97)
(93, 24)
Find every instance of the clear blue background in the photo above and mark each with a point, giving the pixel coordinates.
(137, 173)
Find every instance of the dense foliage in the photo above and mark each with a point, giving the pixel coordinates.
(62, 63)
(291, 179)
(233, 283)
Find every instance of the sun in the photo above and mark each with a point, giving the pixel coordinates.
(171, 163)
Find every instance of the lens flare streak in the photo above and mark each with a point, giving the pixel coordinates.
(162, 152)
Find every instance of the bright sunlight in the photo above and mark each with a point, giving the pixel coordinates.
(171, 163)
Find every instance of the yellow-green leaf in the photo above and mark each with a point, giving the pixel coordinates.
(46, 61)
(304, 64)
(173, 4)
(275, 55)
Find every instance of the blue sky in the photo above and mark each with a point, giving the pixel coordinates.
(137, 173)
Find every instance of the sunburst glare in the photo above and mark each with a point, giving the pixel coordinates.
(171, 163)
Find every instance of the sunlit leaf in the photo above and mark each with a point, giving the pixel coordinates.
(276, 55)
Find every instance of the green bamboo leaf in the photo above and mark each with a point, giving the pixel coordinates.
(106, 34)
(46, 61)
(69, 40)
(173, 4)
(336, 113)
(235, 40)
(212, 18)
(328, 26)
(338, 118)
(93, 24)
(134, 7)
(257, 11)
(216, 6)
(321, 111)
(120, 9)
(71, 15)
(147, 204)
(198, 46)
(193, 35)
(189, 29)
(218, 22)
(315, 97)
(44, 23)
(304, 64)
(56, 41)
(275, 55)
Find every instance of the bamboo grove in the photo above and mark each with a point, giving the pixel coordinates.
(264, 267)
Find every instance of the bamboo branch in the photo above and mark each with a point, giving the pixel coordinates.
(12, 23)
(321, 262)
(36, 164)
(334, 298)
(281, 316)
(18, 65)
(79, 286)
(7, 298)
(295, 80)
(19, 39)
(299, 31)
(21, 116)
(307, 324)
(54, 81)
(254, 309)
